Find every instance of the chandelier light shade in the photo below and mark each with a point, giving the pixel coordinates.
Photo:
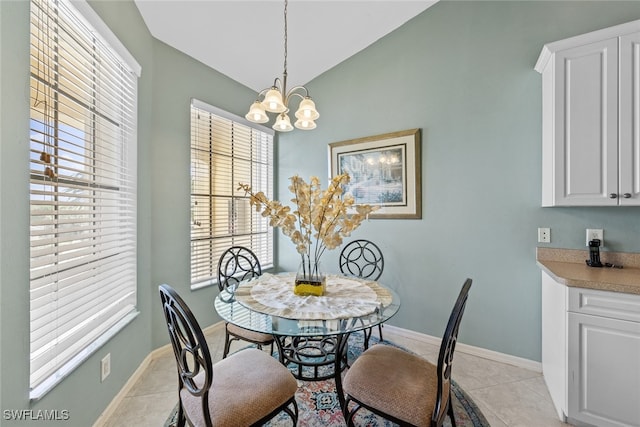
(273, 101)
(276, 99)
(257, 113)
(283, 123)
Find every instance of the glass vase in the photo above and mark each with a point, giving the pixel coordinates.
(310, 278)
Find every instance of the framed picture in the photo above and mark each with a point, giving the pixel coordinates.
(384, 171)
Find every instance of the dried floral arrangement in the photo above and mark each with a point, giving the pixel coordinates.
(320, 220)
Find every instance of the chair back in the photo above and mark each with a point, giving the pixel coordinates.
(362, 258)
(195, 369)
(445, 358)
(235, 265)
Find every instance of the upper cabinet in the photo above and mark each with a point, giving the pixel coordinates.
(591, 118)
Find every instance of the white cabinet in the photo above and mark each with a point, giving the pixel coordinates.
(603, 358)
(554, 342)
(591, 118)
(629, 114)
(591, 354)
(604, 371)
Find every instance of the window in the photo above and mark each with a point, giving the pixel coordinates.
(227, 150)
(82, 191)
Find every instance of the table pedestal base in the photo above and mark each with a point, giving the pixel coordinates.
(312, 358)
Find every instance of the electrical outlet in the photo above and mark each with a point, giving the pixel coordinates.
(595, 233)
(544, 235)
(105, 367)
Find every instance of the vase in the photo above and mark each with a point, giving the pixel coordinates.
(310, 278)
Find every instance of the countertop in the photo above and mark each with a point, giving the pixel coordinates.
(568, 267)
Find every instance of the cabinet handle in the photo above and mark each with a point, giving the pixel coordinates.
(613, 196)
(627, 195)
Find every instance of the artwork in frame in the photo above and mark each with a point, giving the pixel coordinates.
(385, 171)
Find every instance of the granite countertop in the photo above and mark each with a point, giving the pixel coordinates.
(568, 267)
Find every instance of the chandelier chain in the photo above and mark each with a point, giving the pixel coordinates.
(285, 36)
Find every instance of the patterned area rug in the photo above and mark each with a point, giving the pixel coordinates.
(319, 407)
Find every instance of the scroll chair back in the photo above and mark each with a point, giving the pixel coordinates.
(401, 386)
(248, 388)
(363, 258)
(235, 265)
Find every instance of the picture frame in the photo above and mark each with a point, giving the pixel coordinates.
(385, 170)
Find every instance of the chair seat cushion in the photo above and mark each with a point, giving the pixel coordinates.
(247, 386)
(395, 382)
(249, 335)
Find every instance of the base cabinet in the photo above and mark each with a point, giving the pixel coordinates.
(554, 342)
(591, 354)
(604, 371)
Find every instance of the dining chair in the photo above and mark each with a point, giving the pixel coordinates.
(248, 388)
(363, 258)
(236, 264)
(404, 387)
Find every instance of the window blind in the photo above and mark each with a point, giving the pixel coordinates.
(227, 150)
(82, 191)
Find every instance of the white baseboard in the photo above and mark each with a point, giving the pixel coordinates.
(111, 409)
(469, 349)
(158, 352)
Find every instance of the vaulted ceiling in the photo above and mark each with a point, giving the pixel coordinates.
(245, 39)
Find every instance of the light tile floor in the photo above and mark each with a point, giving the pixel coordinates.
(507, 395)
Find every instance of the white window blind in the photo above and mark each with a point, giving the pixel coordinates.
(82, 191)
(227, 150)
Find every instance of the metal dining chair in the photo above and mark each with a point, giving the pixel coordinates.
(363, 258)
(248, 388)
(401, 386)
(235, 265)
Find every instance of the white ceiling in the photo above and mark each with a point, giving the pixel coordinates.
(245, 39)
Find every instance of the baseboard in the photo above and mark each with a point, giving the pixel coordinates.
(115, 402)
(469, 349)
(158, 352)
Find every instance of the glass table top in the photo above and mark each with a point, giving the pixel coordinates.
(234, 312)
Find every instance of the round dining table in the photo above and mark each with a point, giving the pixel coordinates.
(311, 332)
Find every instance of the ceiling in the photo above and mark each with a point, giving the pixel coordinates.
(245, 39)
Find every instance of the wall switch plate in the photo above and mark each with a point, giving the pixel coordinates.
(544, 235)
(105, 367)
(595, 233)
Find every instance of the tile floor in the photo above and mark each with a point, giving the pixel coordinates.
(507, 395)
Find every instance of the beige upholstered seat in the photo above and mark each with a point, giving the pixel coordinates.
(406, 379)
(235, 265)
(238, 381)
(248, 388)
(247, 335)
(404, 387)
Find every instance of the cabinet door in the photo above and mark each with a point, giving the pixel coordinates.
(604, 371)
(630, 120)
(586, 125)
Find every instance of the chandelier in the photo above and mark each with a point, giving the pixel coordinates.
(276, 100)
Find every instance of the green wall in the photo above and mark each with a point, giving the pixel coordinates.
(461, 71)
(177, 80)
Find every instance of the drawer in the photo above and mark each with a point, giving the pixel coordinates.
(615, 305)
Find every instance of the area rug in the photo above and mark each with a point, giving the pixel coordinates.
(318, 403)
